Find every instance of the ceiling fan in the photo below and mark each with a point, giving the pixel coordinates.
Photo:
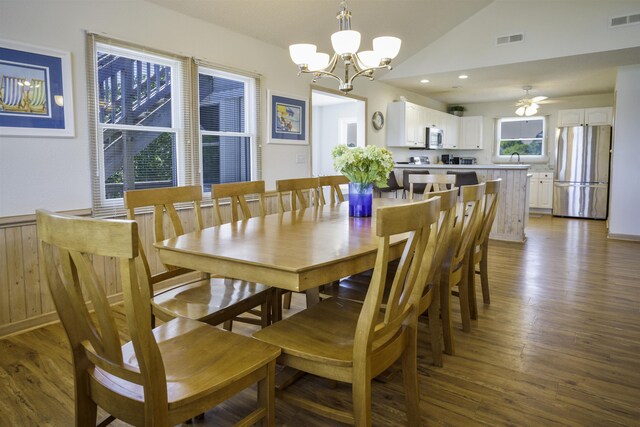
(528, 106)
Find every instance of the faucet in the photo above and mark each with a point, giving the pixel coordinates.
(511, 158)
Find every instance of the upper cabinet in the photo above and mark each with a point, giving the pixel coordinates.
(585, 116)
(405, 125)
(471, 133)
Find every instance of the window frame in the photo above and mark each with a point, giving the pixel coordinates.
(250, 117)
(524, 158)
(177, 106)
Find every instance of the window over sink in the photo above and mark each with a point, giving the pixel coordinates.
(521, 136)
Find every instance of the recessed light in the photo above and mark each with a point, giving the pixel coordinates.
(424, 81)
(463, 76)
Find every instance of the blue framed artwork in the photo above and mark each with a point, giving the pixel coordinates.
(288, 119)
(36, 97)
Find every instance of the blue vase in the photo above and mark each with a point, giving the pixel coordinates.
(360, 199)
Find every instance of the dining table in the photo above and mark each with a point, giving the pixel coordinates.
(295, 251)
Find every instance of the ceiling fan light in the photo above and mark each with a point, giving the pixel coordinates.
(520, 111)
(530, 111)
(319, 61)
(387, 46)
(369, 58)
(302, 53)
(345, 42)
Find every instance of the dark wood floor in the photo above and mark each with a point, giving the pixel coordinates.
(559, 345)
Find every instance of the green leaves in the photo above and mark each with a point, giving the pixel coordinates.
(370, 164)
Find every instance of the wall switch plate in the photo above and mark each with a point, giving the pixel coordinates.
(301, 159)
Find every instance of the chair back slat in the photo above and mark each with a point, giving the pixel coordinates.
(491, 198)
(335, 192)
(299, 190)
(468, 220)
(448, 208)
(237, 192)
(431, 182)
(420, 221)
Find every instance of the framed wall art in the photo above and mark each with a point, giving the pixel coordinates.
(36, 97)
(288, 119)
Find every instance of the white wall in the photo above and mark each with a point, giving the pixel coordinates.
(56, 173)
(327, 132)
(624, 204)
(552, 28)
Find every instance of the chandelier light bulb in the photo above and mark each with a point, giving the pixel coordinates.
(370, 58)
(520, 111)
(318, 61)
(387, 47)
(302, 53)
(345, 42)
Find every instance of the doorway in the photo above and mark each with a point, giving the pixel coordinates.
(336, 119)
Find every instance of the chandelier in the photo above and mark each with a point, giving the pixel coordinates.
(528, 106)
(346, 43)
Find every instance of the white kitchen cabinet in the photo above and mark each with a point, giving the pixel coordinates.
(471, 133)
(450, 127)
(586, 116)
(541, 190)
(405, 125)
(598, 116)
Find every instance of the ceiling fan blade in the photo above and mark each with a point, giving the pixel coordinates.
(538, 98)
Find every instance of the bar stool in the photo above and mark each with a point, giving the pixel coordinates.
(418, 188)
(392, 185)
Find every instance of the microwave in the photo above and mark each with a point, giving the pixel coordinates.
(434, 138)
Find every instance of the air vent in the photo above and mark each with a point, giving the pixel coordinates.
(620, 21)
(513, 38)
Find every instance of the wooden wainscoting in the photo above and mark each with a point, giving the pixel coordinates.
(25, 301)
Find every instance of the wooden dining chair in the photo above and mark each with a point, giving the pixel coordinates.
(333, 182)
(163, 376)
(214, 300)
(455, 267)
(304, 192)
(352, 342)
(430, 183)
(355, 287)
(237, 193)
(480, 247)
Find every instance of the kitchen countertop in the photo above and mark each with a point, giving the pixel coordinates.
(473, 167)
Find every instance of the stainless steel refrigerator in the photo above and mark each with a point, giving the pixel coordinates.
(581, 179)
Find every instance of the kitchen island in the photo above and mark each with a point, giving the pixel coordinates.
(513, 207)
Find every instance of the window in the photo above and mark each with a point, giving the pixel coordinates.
(145, 106)
(522, 135)
(138, 123)
(227, 112)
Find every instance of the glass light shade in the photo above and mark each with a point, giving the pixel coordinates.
(302, 53)
(346, 41)
(530, 111)
(369, 58)
(520, 111)
(318, 61)
(387, 47)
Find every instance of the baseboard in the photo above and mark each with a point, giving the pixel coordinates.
(627, 237)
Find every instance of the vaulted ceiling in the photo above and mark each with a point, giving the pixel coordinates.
(568, 47)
